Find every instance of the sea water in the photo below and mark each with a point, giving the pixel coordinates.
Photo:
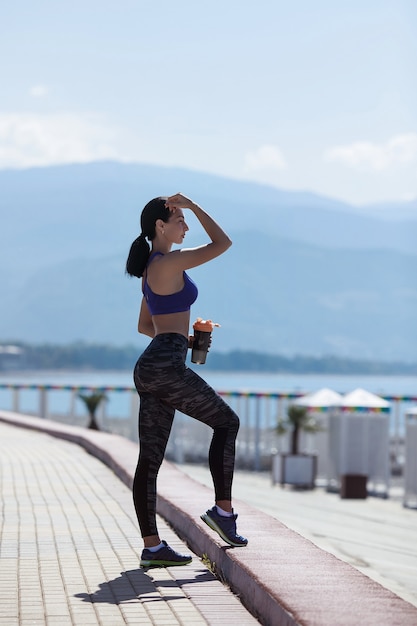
(228, 381)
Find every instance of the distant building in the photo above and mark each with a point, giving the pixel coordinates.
(11, 357)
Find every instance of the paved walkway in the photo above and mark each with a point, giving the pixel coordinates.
(69, 547)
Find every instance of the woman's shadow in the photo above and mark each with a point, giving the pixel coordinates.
(138, 584)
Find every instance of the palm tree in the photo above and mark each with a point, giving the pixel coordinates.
(298, 419)
(92, 403)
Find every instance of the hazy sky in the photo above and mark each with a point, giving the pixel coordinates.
(315, 95)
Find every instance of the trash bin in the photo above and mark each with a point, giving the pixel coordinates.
(354, 486)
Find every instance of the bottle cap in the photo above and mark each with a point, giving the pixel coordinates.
(204, 325)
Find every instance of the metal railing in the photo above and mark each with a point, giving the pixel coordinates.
(189, 441)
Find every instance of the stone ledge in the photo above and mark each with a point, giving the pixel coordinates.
(281, 577)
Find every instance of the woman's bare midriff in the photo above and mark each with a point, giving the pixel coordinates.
(172, 323)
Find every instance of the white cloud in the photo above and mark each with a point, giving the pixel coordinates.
(266, 158)
(399, 149)
(38, 91)
(28, 140)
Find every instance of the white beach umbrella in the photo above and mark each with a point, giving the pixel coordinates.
(323, 398)
(362, 399)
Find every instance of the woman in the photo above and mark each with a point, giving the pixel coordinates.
(162, 379)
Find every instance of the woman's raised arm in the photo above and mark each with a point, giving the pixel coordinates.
(220, 241)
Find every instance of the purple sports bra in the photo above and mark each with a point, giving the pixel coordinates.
(174, 302)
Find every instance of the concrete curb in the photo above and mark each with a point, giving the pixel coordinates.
(281, 577)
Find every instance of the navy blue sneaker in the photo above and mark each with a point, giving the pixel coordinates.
(164, 557)
(225, 527)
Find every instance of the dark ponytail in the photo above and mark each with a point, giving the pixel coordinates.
(140, 249)
(138, 257)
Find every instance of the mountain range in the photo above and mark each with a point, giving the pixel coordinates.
(305, 275)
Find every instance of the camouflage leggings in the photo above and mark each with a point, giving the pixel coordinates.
(165, 383)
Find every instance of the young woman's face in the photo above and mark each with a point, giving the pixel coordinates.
(176, 227)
